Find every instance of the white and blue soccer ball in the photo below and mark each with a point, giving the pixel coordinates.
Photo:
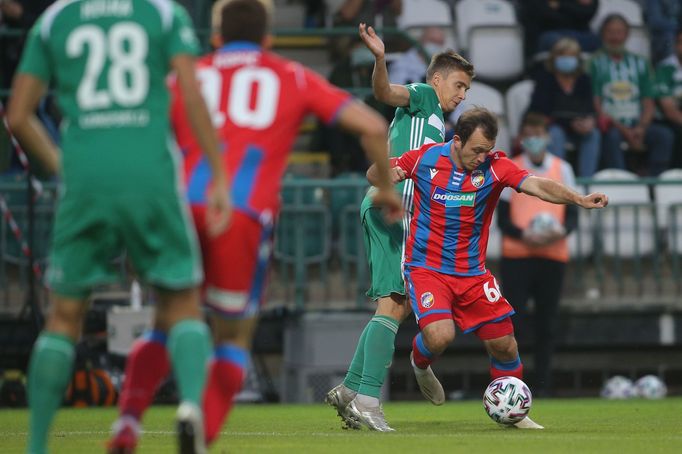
(618, 387)
(544, 222)
(650, 387)
(507, 400)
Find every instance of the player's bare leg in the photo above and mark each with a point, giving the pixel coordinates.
(430, 343)
(504, 354)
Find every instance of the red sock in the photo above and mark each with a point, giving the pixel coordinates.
(225, 378)
(506, 369)
(146, 367)
(421, 355)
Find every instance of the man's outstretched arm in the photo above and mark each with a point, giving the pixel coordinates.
(555, 192)
(384, 91)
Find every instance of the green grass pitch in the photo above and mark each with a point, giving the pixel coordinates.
(572, 426)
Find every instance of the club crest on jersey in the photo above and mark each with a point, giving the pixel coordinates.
(427, 300)
(477, 178)
(453, 199)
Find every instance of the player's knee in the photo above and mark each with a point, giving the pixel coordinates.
(439, 336)
(66, 317)
(504, 348)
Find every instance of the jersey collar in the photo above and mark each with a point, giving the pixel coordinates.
(240, 45)
(445, 148)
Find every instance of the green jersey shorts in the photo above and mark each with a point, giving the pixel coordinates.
(91, 231)
(384, 248)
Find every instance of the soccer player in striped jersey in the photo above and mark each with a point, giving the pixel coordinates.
(457, 186)
(418, 120)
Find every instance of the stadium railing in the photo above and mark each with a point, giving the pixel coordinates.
(625, 258)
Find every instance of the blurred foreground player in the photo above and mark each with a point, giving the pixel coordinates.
(457, 185)
(257, 101)
(119, 184)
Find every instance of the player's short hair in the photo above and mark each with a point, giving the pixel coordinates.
(478, 117)
(242, 20)
(534, 119)
(445, 62)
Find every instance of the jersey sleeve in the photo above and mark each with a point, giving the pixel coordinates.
(181, 36)
(35, 59)
(507, 171)
(646, 81)
(418, 95)
(408, 161)
(323, 99)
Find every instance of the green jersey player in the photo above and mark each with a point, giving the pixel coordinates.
(108, 60)
(418, 120)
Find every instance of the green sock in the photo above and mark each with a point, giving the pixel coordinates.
(189, 347)
(379, 348)
(354, 374)
(49, 372)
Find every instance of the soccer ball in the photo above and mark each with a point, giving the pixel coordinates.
(618, 387)
(507, 400)
(650, 387)
(544, 222)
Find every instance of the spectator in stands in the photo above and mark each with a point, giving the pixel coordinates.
(663, 17)
(669, 87)
(410, 67)
(563, 93)
(534, 248)
(546, 21)
(624, 101)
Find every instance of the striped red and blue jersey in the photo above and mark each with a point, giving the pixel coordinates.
(453, 208)
(257, 101)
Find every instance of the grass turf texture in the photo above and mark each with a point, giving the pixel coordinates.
(572, 426)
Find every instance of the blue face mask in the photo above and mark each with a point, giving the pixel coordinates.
(534, 145)
(566, 64)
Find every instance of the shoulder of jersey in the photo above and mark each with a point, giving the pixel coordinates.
(498, 154)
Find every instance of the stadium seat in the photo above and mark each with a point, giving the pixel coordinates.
(517, 99)
(669, 207)
(472, 13)
(302, 239)
(496, 51)
(627, 227)
(418, 14)
(639, 42)
(482, 95)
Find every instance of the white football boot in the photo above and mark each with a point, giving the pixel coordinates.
(372, 417)
(339, 397)
(429, 385)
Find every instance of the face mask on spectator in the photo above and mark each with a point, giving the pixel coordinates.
(534, 145)
(566, 63)
(433, 48)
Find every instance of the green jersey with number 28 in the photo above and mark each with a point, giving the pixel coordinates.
(108, 60)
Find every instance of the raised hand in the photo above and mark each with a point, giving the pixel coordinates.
(371, 40)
